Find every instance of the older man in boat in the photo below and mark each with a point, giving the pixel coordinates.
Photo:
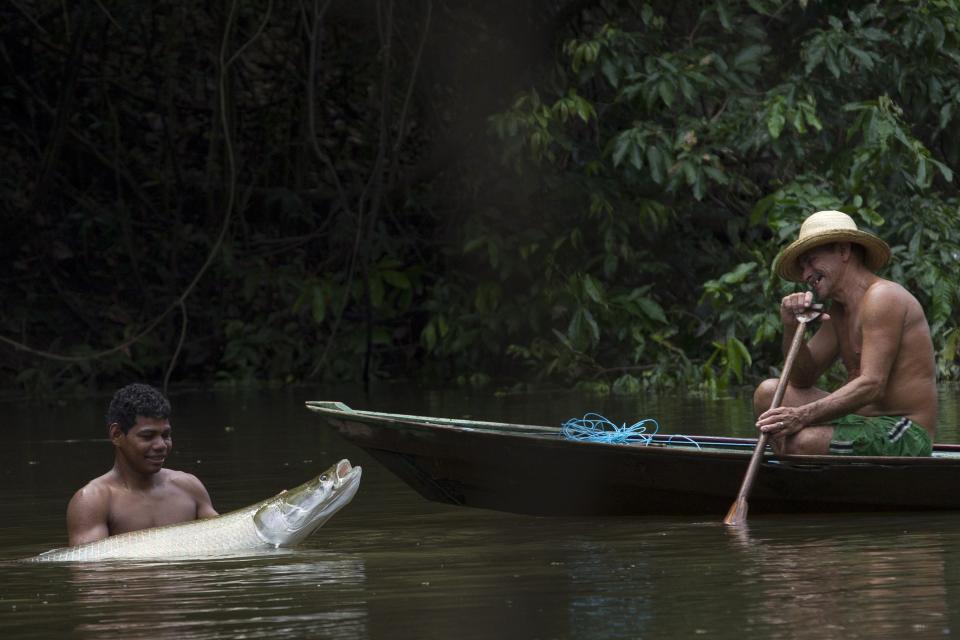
(137, 493)
(888, 405)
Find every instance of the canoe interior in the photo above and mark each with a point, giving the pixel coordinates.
(537, 470)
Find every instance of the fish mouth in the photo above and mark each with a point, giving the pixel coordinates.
(344, 471)
(345, 483)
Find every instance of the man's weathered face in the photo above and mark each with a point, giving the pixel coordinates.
(146, 445)
(820, 268)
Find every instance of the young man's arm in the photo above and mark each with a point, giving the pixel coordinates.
(87, 515)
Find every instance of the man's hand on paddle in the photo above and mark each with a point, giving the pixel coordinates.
(795, 304)
(782, 421)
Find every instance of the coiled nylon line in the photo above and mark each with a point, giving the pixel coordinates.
(593, 427)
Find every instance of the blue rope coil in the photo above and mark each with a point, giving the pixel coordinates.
(593, 427)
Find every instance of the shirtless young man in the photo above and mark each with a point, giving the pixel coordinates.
(888, 406)
(137, 492)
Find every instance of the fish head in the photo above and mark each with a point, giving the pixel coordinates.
(291, 516)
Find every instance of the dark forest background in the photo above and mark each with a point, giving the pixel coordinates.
(484, 192)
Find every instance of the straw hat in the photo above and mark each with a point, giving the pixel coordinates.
(824, 227)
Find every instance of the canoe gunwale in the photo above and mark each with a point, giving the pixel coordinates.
(943, 453)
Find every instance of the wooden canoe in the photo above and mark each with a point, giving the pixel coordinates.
(537, 470)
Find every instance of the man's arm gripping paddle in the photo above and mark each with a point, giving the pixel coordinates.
(738, 510)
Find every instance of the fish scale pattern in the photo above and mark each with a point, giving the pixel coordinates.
(229, 532)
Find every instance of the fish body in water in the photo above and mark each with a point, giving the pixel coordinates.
(281, 521)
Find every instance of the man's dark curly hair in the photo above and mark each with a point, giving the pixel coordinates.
(136, 400)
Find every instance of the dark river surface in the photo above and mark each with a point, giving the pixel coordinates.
(392, 565)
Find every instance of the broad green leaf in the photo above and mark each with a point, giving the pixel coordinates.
(740, 273)
(609, 71)
(582, 330)
(815, 53)
(776, 120)
(946, 115)
(636, 159)
(876, 35)
(943, 293)
(797, 122)
(646, 14)
(656, 164)
(811, 117)
(621, 146)
(921, 176)
(652, 309)
(686, 88)
(750, 55)
(831, 62)
(666, 92)
(723, 12)
(939, 33)
(592, 288)
(865, 58)
(699, 186)
(945, 171)
(738, 357)
(715, 174)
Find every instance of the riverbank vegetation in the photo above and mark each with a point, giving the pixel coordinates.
(540, 193)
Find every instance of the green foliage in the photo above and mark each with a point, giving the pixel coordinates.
(739, 120)
(414, 205)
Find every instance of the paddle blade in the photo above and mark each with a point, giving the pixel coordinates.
(737, 514)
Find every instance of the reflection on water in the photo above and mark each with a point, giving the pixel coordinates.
(391, 565)
(886, 579)
(294, 595)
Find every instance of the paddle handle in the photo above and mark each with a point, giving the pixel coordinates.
(788, 365)
(738, 510)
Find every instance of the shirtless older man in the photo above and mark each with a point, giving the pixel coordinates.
(137, 492)
(888, 406)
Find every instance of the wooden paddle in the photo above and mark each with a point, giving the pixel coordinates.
(738, 510)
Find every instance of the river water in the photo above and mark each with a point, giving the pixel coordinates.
(392, 565)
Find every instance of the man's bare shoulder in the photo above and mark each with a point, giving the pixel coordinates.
(181, 479)
(191, 484)
(96, 490)
(888, 289)
(88, 511)
(886, 297)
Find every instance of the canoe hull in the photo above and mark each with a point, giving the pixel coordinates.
(536, 471)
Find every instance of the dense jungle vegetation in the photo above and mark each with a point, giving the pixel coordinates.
(543, 192)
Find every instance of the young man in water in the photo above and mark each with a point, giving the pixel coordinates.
(137, 492)
(888, 405)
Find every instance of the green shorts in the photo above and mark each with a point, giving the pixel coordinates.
(856, 435)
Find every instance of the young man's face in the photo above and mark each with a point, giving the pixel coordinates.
(146, 446)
